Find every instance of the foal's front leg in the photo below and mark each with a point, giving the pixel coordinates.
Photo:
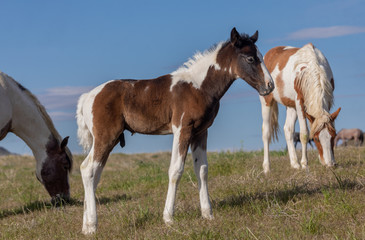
(303, 135)
(178, 155)
(199, 154)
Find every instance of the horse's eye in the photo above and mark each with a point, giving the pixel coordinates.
(250, 59)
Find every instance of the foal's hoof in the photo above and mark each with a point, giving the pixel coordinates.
(168, 220)
(88, 229)
(207, 214)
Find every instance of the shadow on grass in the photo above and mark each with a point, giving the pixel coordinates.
(38, 206)
(284, 196)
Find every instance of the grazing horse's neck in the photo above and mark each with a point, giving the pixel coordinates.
(31, 123)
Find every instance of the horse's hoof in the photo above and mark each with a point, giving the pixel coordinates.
(88, 229)
(168, 220)
(207, 214)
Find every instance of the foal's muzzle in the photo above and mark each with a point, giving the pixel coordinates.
(263, 91)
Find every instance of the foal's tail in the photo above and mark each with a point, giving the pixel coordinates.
(274, 124)
(83, 132)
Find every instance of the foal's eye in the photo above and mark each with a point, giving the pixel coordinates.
(250, 59)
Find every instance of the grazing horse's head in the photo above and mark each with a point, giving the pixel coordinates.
(248, 63)
(55, 170)
(323, 133)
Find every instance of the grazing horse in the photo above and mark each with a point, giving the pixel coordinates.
(23, 115)
(350, 134)
(304, 84)
(183, 103)
(296, 139)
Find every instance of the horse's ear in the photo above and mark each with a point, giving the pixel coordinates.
(235, 37)
(335, 114)
(310, 118)
(64, 143)
(255, 36)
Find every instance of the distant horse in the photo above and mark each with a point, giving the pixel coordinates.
(350, 134)
(296, 139)
(304, 84)
(183, 103)
(23, 115)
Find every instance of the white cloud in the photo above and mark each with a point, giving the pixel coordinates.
(61, 102)
(325, 32)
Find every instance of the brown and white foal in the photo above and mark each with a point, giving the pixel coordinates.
(304, 84)
(183, 103)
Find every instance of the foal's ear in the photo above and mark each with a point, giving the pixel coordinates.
(310, 118)
(255, 36)
(64, 143)
(335, 114)
(235, 37)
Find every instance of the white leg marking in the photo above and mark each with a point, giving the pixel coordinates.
(291, 118)
(175, 171)
(266, 113)
(90, 172)
(303, 134)
(201, 172)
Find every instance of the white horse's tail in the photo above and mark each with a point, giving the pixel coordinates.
(83, 132)
(274, 124)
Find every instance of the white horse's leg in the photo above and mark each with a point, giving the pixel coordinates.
(291, 118)
(90, 172)
(266, 113)
(178, 155)
(199, 154)
(303, 135)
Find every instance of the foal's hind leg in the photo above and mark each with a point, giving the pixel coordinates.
(199, 153)
(266, 114)
(91, 169)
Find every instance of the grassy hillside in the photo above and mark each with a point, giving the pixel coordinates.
(320, 203)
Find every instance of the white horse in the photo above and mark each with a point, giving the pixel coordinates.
(183, 103)
(23, 115)
(304, 84)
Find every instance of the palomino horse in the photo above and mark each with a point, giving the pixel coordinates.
(183, 103)
(304, 84)
(350, 134)
(23, 115)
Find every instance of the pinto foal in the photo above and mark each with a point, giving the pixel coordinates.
(183, 103)
(304, 84)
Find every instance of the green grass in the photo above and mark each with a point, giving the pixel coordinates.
(318, 203)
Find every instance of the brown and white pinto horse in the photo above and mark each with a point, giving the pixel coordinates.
(350, 134)
(304, 84)
(183, 103)
(23, 115)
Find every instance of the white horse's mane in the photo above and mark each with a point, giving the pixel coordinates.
(40, 107)
(314, 80)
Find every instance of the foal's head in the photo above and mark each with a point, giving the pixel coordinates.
(323, 133)
(56, 168)
(248, 63)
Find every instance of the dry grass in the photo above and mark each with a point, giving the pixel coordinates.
(319, 203)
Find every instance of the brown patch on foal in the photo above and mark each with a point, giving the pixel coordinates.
(280, 87)
(4, 131)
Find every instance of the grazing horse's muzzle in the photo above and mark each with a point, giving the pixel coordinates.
(60, 199)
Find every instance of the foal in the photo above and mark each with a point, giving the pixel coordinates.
(304, 84)
(183, 103)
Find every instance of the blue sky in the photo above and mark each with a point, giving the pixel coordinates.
(60, 49)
